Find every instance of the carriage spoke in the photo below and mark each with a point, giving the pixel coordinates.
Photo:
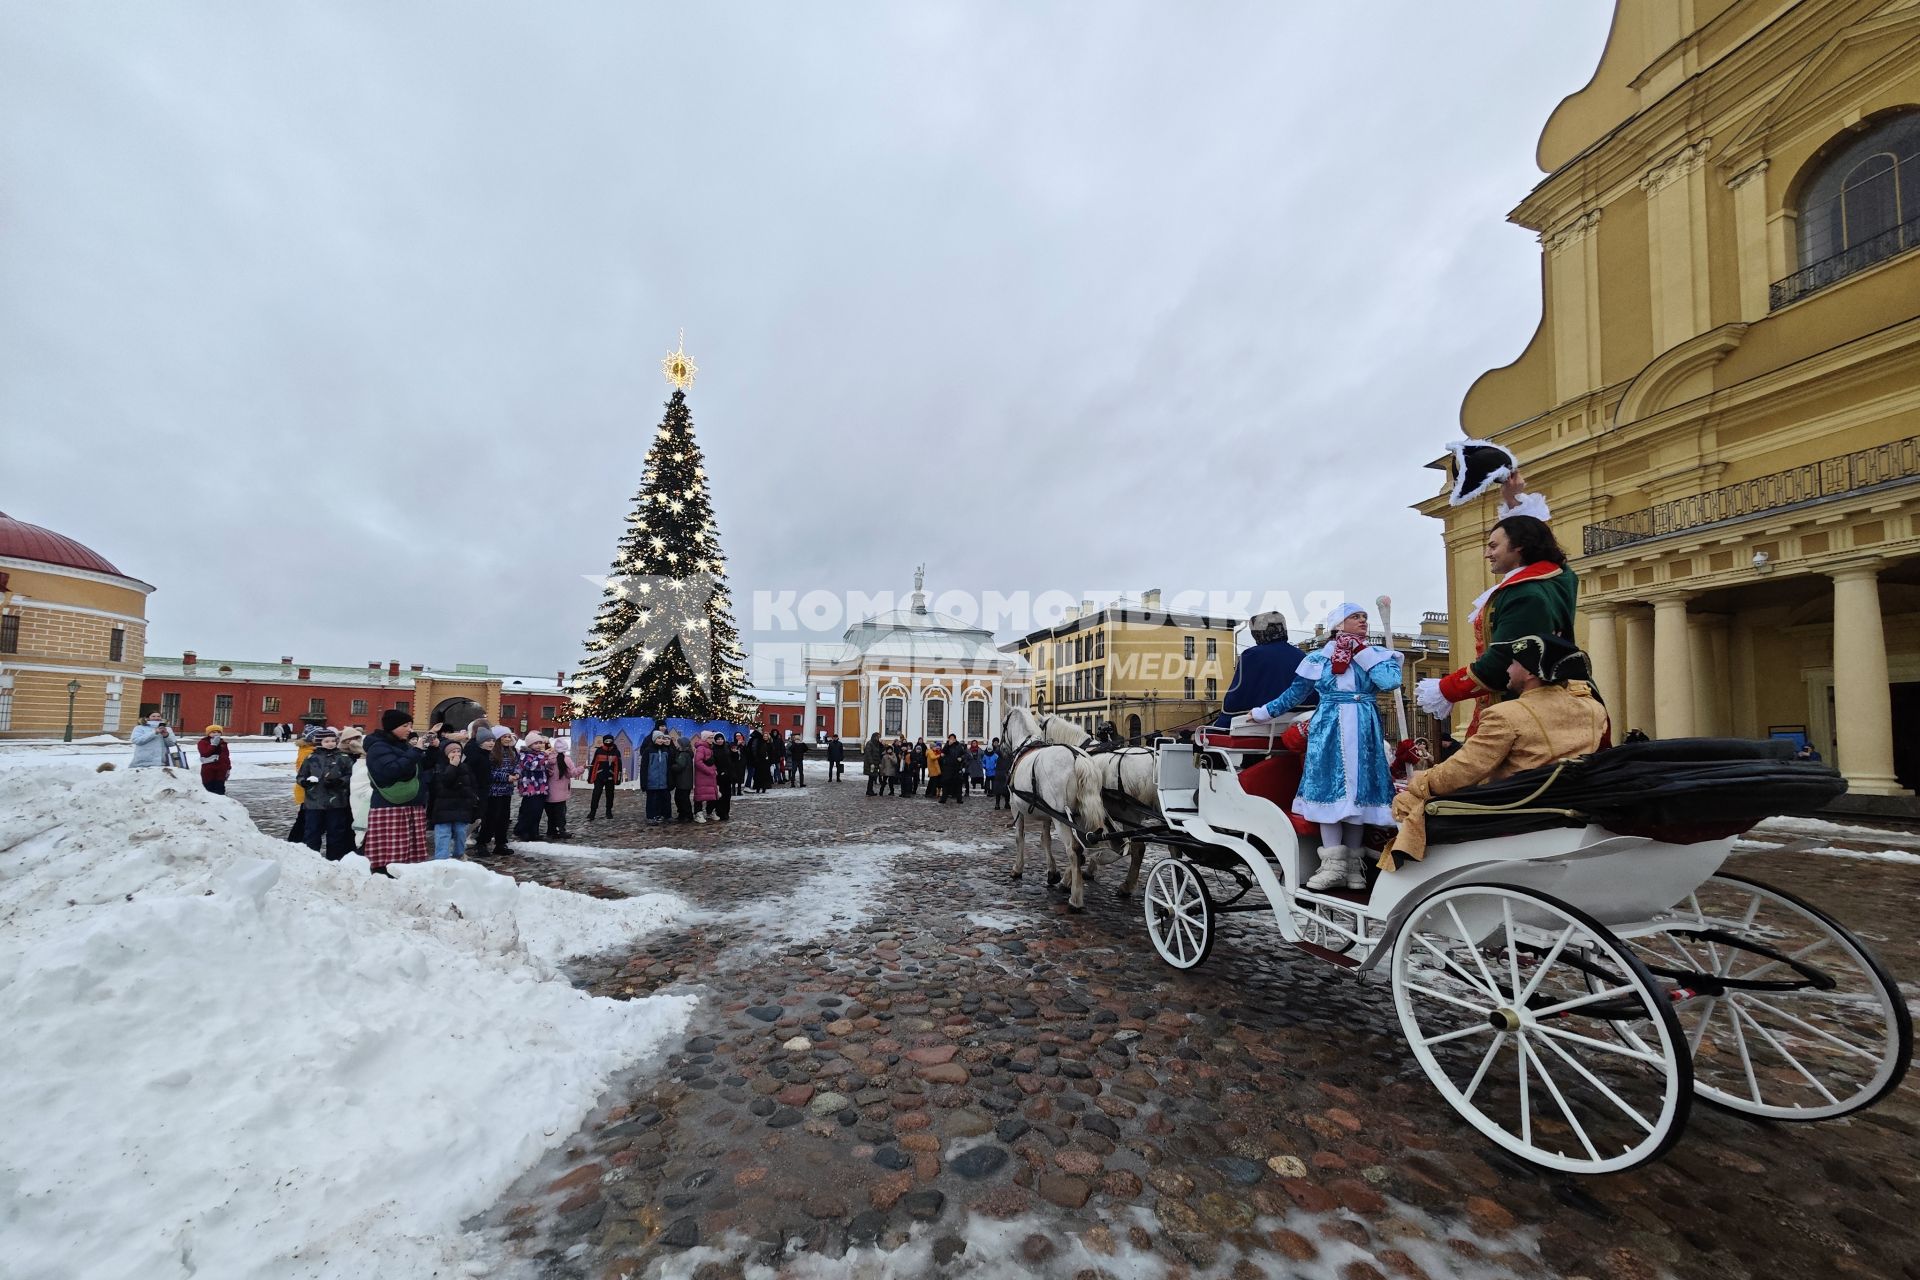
(1746, 1058)
(1640, 1055)
(1699, 1032)
(1480, 961)
(1526, 1102)
(1812, 1030)
(1592, 997)
(1540, 971)
(1541, 1069)
(1513, 952)
(1473, 1085)
(1479, 1028)
(1599, 1085)
(1477, 1009)
(1492, 993)
(1801, 954)
(1781, 1049)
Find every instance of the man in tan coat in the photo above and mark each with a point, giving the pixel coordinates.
(1555, 717)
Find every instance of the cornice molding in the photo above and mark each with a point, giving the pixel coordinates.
(1686, 160)
(1747, 175)
(1573, 232)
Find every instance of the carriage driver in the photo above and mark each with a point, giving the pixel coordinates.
(1555, 717)
(1263, 672)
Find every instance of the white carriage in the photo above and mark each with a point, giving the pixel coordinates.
(1568, 988)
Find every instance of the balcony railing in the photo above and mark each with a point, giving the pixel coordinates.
(1895, 240)
(1828, 478)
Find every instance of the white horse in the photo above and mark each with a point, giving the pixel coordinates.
(1132, 773)
(1064, 786)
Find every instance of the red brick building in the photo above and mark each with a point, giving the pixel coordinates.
(257, 697)
(785, 710)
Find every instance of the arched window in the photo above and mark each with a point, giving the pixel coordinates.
(1859, 206)
(1133, 730)
(936, 717)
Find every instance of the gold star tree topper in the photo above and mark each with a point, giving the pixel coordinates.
(679, 366)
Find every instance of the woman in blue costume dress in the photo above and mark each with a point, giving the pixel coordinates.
(1347, 782)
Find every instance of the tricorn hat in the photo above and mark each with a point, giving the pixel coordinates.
(1549, 657)
(1477, 467)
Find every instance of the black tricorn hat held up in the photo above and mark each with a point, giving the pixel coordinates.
(1477, 467)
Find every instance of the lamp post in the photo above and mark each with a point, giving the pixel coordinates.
(73, 691)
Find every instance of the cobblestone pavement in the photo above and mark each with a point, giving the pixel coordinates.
(900, 1052)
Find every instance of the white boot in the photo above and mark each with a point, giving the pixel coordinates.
(700, 817)
(1357, 868)
(1333, 868)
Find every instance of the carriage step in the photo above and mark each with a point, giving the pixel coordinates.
(1332, 957)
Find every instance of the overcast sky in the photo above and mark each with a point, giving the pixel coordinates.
(341, 323)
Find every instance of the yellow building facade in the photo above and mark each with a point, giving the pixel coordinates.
(73, 632)
(1141, 667)
(1722, 401)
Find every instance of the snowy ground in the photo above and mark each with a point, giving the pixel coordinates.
(252, 757)
(220, 1063)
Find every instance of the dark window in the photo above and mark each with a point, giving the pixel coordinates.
(222, 709)
(546, 713)
(359, 706)
(1099, 682)
(1100, 644)
(1186, 648)
(117, 647)
(10, 633)
(269, 705)
(1213, 688)
(1213, 647)
(506, 710)
(1860, 207)
(316, 706)
(1189, 686)
(400, 704)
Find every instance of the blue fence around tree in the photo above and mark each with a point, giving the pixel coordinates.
(630, 731)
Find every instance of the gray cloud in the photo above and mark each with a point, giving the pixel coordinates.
(341, 323)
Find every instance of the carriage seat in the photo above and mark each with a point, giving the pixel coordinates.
(1244, 733)
(1277, 778)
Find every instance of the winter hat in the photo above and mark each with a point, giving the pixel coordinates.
(215, 728)
(313, 734)
(391, 720)
(1477, 467)
(1342, 611)
(501, 731)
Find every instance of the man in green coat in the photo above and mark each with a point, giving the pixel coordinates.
(1534, 593)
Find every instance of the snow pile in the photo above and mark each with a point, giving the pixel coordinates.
(219, 1061)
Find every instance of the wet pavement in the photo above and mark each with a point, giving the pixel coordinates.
(902, 1055)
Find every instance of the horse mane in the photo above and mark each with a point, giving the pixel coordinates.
(1019, 726)
(1089, 807)
(1064, 731)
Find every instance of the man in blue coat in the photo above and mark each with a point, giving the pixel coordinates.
(1264, 671)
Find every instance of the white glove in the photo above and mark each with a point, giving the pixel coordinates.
(1260, 714)
(1432, 701)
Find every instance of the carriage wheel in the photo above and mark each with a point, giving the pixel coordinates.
(1834, 1037)
(1491, 984)
(1179, 913)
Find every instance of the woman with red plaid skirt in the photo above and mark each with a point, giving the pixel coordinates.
(397, 816)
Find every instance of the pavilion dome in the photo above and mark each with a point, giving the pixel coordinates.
(22, 541)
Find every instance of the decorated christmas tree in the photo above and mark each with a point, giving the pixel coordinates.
(664, 643)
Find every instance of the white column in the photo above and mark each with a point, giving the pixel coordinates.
(1672, 669)
(1603, 655)
(1862, 701)
(916, 713)
(812, 706)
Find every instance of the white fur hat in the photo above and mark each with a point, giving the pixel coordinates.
(1342, 611)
